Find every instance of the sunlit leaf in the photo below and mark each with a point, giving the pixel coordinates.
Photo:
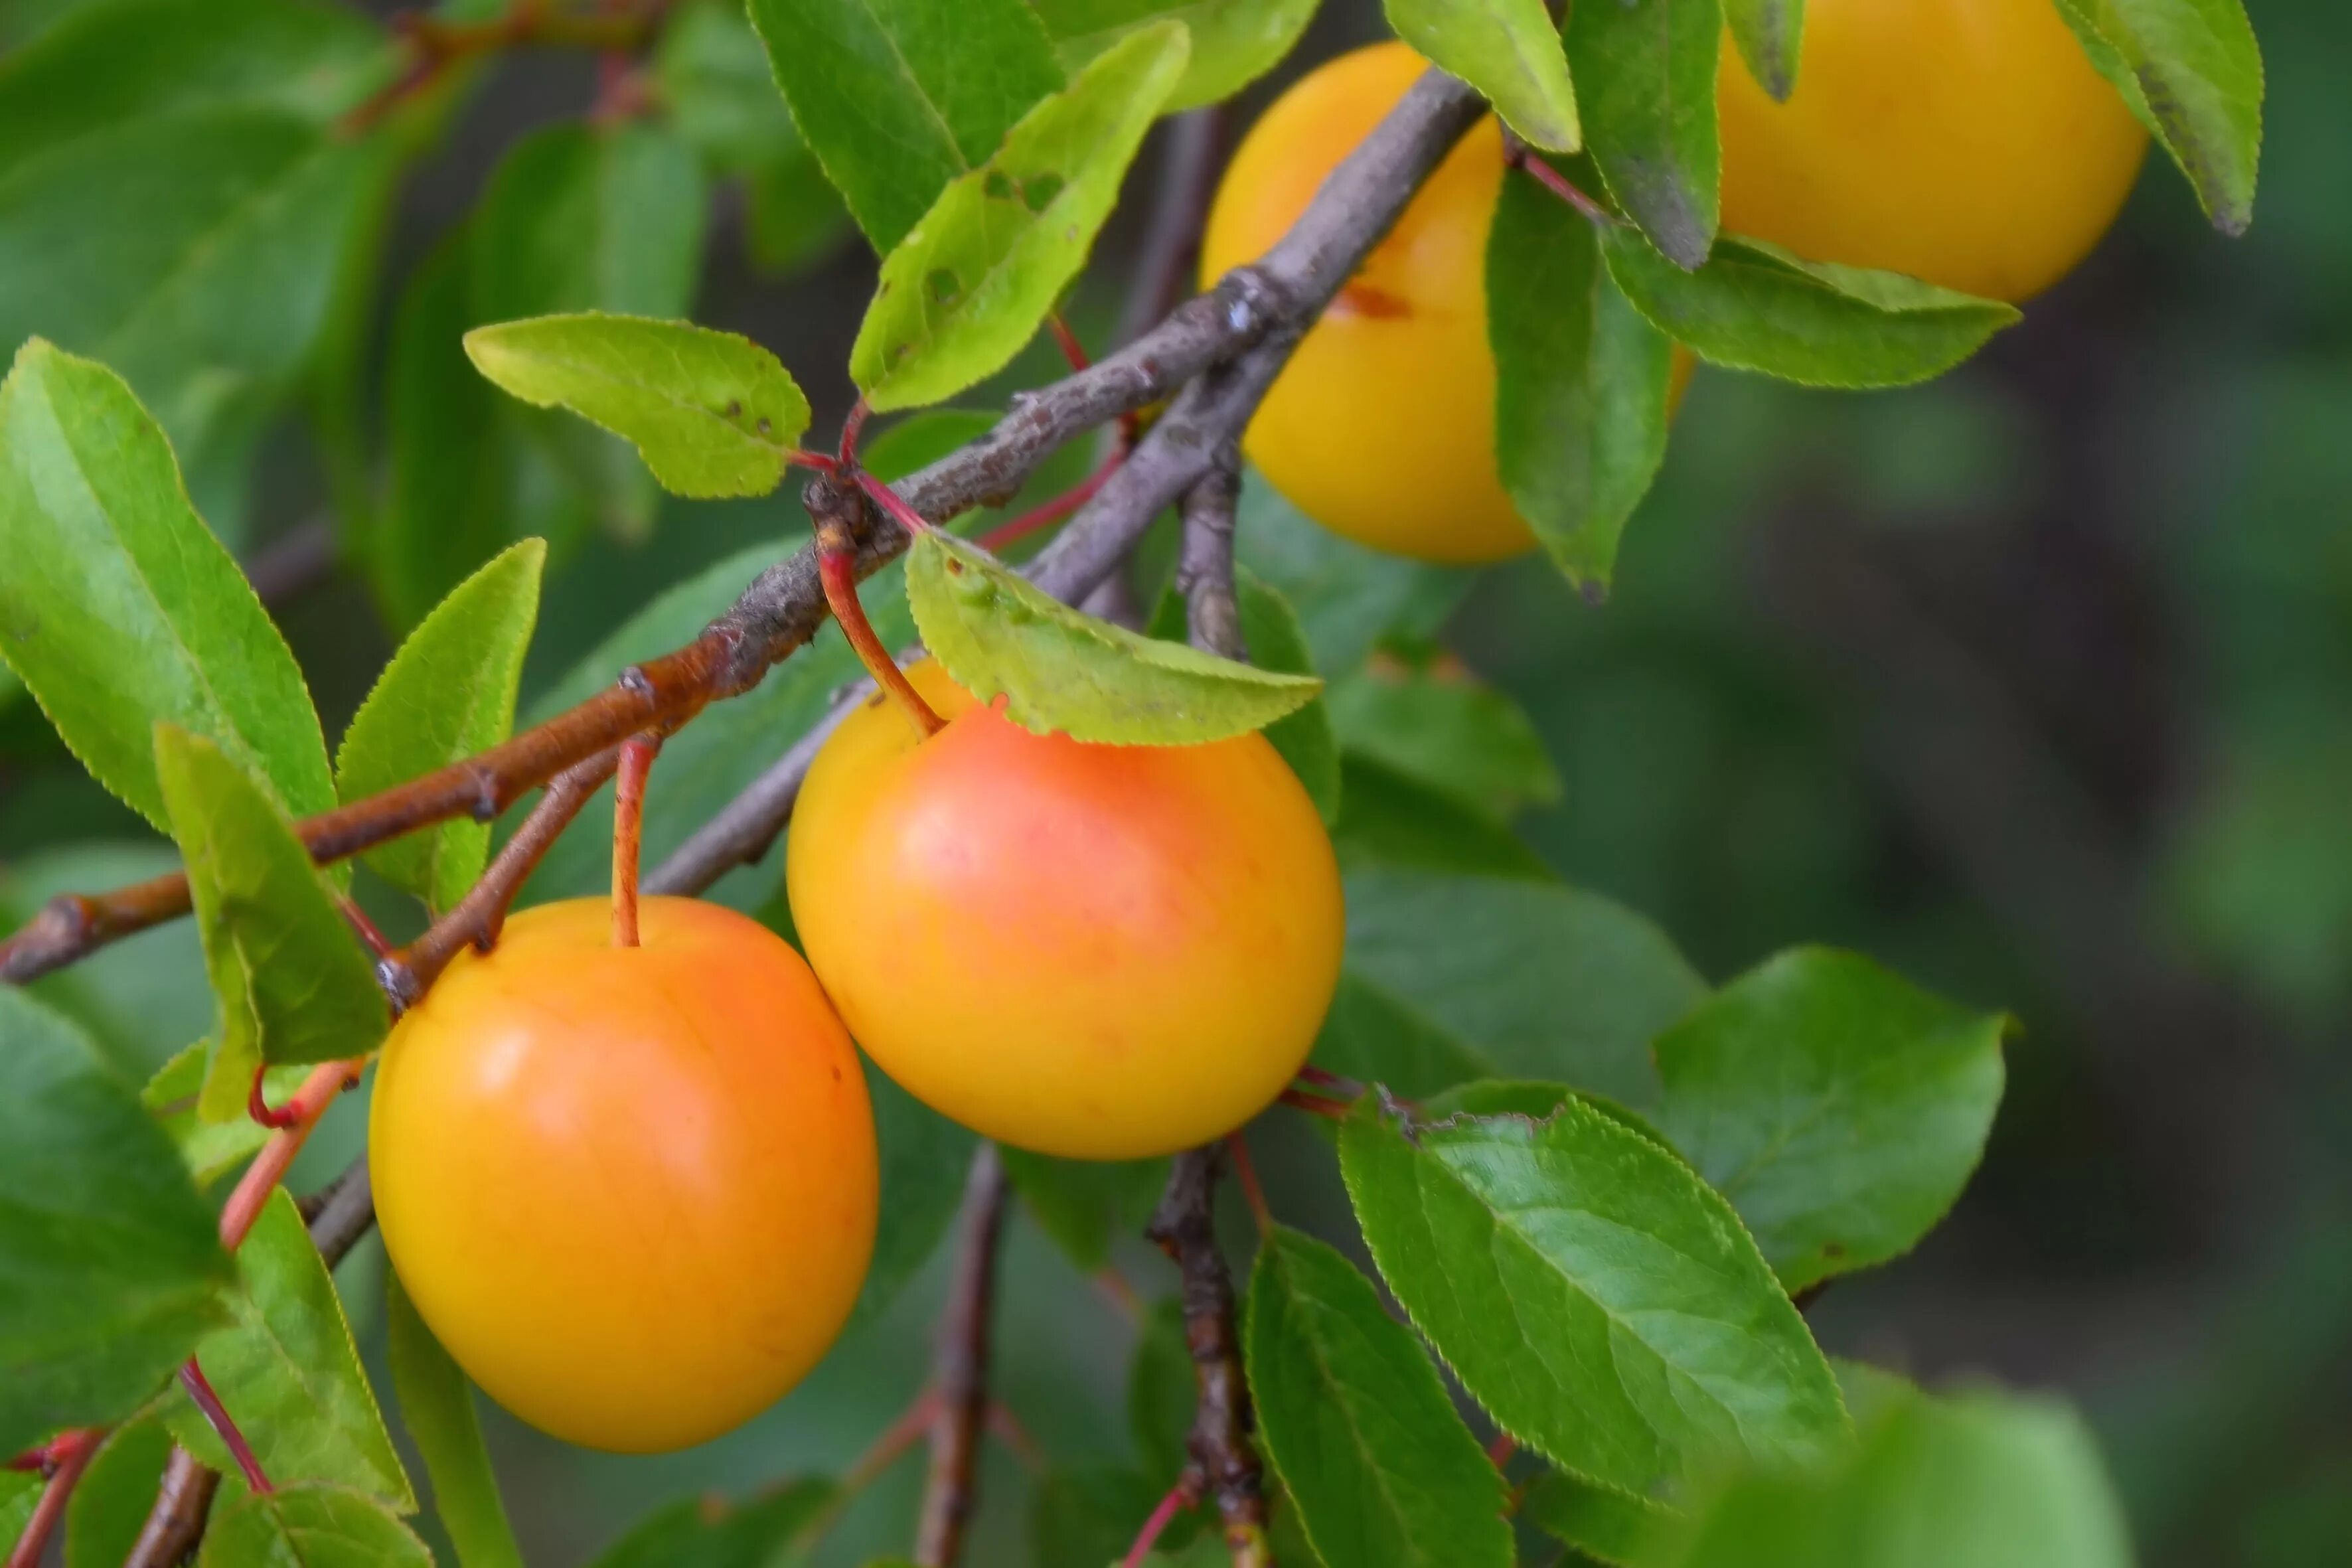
(307, 1526)
(1234, 42)
(1510, 50)
(2193, 73)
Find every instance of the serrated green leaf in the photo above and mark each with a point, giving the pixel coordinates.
(1535, 980)
(1388, 819)
(1346, 597)
(109, 1267)
(1581, 382)
(1534, 1100)
(1769, 33)
(120, 609)
(436, 1409)
(20, 1493)
(293, 982)
(897, 98)
(1755, 307)
(1648, 72)
(211, 1149)
(1085, 1517)
(1589, 1290)
(1370, 1447)
(448, 692)
(1606, 1526)
(1510, 50)
(1839, 1107)
(1084, 1205)
(693, 1532)
(310, 1525)
(1234, 42)
(110, 1502)
(711, 413)
(1162, 1393)
(1060, 670)
(1437, 723)
(289, 1375)
(2192, 72)
(971, 284)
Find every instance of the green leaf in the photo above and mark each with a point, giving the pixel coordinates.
(288, 1372)
(109, 1505)
(1769, 33)
(1580, 381)
(1648, 71)
(1606, 1526)
(710, 413)
(1592, 1292)
(1346, 597)
(2193, 73)
(1162, 1393)
(293, 982)
(897, 98)
(719, 92)
(1755, 307)
(20, 1493)
(437, 1408)
(1371, 1449)
(110, 1269)
(1085, 1205)
(1234, 42)
(1061, 670)
(697, 1532)
(1840, 1109)
(925, 1158)
(1510, 50)
(1533, 980)
(448, 693)
(211, 1149)
(1980, 1480)
(1088, 1516)
(1437, 723)
(307, 1526)
(119, 609)
(1275, 641)
(972, 283)
(1387, 818)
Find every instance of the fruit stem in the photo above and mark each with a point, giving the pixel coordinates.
(836, 568)
(1499, 1451)
(256, 1105)
(1299, 1099)
(71, 1455)
(889, 500)
(1048, 514)
(1558, 184)
(1182, 1496)
(310, 1102)
(191, 1378)
(1246, 1175)
(637, 753)
(364, 928)
(853, 424)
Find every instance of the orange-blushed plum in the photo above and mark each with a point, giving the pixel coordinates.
(632, 1190)
(1968, 142)
(1088, 951)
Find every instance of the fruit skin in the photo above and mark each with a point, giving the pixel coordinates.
(1968, 142)
(1382, 427)
(1100, 952)
(631, 1190)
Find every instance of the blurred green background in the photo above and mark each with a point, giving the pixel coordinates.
(2036, 682)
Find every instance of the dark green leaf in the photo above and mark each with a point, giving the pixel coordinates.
(1840, 1109)
(307, 1526)
(899, 97)
(1437, 723)
(710, 413)
(1372, 1452)
(1275, 640)
(970, 285)
(1234, 42)
(119, 609)
(1755, 307)
(1085, 1205)
(1372, 1035)
(1592, 1292)
(1508, 49)
(437, 1408)
(2193, 73)
(1346, 597)
(1580, 380)
(1388, 819)
(1061, 670)
(288, 1372)
(1769, 33)
(110, 1504)
(20, 1493)
(698, 1532)
(1648, 71)
(110, 1269)
(212, 1149)
(1606, 1526)
(719, 93)
(925, 1158)
(448, 693)
(1162, 1392)
(1085, 1518)
(293, 982)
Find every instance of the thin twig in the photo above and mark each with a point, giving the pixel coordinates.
(310, 1103)
(635, 762)
(183, 1502)
(434, 47)
(960, 1368)
(1182, 1496)
(51, 1508)
(1204, 563)
(216, 1415)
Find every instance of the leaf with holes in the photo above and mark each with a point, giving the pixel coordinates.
(287, 1369)
(1756, 307)
(1060, 670)
(293, 984)
(1234, 42)
(971, 282)
(1769, 33)
(436, 1409)
(1510, 50)
(109, 1267)
(1839, 1107)
(448, 693)
(1599, 1299)
(119, 607)
(711, 413)
(1648, 71)
(2192, 71)
(307, 1526)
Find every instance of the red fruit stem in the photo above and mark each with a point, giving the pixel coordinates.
(853, 426)
(1245, 1173)
(310, 1102)
(637, 753)
(1299, 1099)
(257, 1108)
(1048, 514)
(889, 500)
(1067, 341)
(1500, 1450)
(836, 566)
(364, 928)
(1559, 184)
(1345, 1087)
(71, 1454)
(191, 1378)
(1007, 1429)
(1181, 1496)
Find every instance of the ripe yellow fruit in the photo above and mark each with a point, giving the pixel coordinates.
(1968, 142)
(1096, 952)
(632, 1190)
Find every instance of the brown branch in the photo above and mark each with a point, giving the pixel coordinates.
(1184, 1226)
(1204, 563)
(960, 1368)
(175, 1525)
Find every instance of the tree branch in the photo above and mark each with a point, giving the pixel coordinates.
(1184, 1226)
(960, 1368)
(175, 1525)
(1204, 562)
